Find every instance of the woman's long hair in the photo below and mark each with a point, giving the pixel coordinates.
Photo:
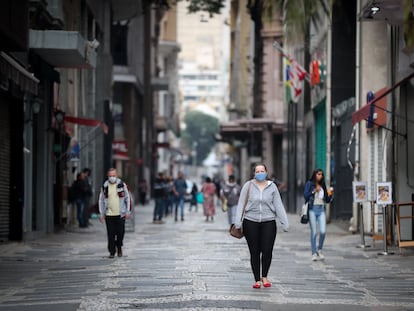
(313, 177)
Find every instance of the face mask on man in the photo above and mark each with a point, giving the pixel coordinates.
(260, 176)
(112, 179)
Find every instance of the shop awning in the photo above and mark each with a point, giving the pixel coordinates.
(364, 112)
(87, 122)
(120, 150)
(248, 125)
(12, 70)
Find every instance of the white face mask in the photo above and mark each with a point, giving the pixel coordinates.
(112, 179)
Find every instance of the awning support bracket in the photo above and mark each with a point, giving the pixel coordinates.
(388, 129)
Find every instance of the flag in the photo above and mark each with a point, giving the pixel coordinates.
(294, 76)
(315, 72)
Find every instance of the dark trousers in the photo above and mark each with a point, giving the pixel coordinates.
(86, 211)
(158, 209)
(80, 205)
(115, 228)
(142, 197)
(260, 237)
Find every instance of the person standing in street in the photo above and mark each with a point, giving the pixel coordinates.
(87, 210)
(317, 196)
(193, 201)
(260, 200)
(142, 189)
(179, 189)
(80, 190)
(159, 197)
(209, 191)
(114, 208)
(171, 196)
(230, 192)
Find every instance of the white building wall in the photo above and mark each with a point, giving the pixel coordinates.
(374, 63)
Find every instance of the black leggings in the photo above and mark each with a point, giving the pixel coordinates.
(260, 237)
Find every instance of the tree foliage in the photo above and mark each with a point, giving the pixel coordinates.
(194, 6)
(200, 129)
(297, 14)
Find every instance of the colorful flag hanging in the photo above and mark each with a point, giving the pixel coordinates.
(294, 76)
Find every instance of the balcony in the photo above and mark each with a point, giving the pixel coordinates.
(63, 49)
(161, 123)
(168, 47)
(159, 83)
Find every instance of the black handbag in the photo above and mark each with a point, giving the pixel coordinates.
(304, 215)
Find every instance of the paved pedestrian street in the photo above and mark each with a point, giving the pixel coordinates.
(195, 265)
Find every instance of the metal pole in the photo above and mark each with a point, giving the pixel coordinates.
(384, 230)
(361, 227)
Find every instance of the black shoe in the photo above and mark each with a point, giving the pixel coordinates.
(119, 251)
(111, 256)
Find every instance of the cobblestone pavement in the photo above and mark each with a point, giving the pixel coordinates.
(195, 265)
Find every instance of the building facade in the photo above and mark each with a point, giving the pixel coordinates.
(67, 82)
(382, 118)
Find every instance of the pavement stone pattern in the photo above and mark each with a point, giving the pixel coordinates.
(196, 265)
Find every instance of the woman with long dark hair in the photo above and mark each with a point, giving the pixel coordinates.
(317, 196)
(260, 200)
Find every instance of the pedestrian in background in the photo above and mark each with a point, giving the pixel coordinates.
(87, 210)
(317, 196)
(209, 191)
(217, 182)
(179, 189)
(230, 193)
(171, 196)
(193, 201)
(80, 190)
(114, 208)
(142, 189)
(261, 202)
(159, 198)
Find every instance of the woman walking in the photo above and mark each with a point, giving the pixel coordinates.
(260, 200)
(317, 196)
(209, 190)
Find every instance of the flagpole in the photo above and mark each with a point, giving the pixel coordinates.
(277, 46)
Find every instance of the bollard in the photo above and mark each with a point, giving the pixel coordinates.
(361, 227)
(385, 252)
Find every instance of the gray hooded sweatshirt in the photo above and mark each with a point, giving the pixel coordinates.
(261, 206)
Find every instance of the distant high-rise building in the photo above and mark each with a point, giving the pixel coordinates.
(204, 61)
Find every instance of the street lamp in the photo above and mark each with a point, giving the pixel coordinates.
(59, 116)
(35, 106)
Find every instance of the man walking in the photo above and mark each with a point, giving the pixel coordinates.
(179, 189)
(114, 207)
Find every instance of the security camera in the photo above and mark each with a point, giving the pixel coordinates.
(94, 43)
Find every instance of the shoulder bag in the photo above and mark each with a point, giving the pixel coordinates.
(238, 232)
